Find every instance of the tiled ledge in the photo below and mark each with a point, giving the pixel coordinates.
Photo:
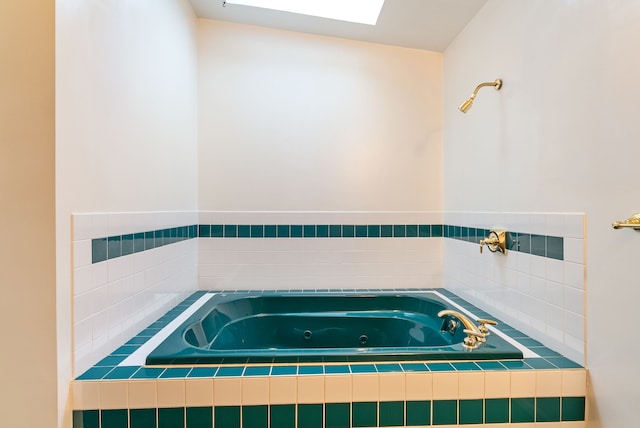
(109, 368)
(549, 389)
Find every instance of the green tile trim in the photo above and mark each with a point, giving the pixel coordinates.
(86, 419)
(496, 410)
(337, 415)
(111, 247)
(522, 410)
(391, 413)
(148, 373)
(319, 231)
(535, 244)
(283, 416)
(364, 414)
(445, 412)
(414, 367)
(573, 408)
(98, 250)
(170, 417)
(344, 415)
(257, 371)
(244, 231)
(226, 416)
(310, 415)
(470, 412)
(548, 409)
(538, 245)
(124, 372)
(229, 371)
(105, 248)
(142, 418)
(388, 368)
(255, 416)
(322, 231)
(199, 417)
(418, 413)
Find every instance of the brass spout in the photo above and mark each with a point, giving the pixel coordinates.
(475, 334)
(465, 321)
(631, 222)
(488, 242)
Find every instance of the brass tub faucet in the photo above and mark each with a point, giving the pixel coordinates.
(496, 241)
(476, 334)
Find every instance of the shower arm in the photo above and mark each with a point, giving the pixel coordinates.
(466, 105)
(496, 84)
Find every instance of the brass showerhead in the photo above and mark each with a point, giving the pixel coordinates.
(465, 106)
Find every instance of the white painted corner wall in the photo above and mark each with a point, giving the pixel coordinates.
(560, 136)
(126, 129)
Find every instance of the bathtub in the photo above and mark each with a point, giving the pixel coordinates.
(295, 327)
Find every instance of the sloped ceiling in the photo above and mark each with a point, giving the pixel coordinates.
(418, 24)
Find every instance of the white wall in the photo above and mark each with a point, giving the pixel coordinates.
(295, 122)
(126, 118)
(560, 136)
(302, 129)
(27, 170)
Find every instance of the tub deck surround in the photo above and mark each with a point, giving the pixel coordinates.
(546, 390)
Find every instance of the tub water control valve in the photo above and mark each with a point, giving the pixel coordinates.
(496, 241)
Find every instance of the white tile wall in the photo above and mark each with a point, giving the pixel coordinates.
(115, 299)
(298, 263)
(543, 297)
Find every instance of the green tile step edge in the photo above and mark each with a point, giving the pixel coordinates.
(355, 414)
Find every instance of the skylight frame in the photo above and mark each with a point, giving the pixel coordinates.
(358, 11)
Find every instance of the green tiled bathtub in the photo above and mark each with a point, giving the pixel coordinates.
(546, 388)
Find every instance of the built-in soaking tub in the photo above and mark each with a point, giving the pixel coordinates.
(324, 327)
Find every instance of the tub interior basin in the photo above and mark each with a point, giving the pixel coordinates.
(327, 327)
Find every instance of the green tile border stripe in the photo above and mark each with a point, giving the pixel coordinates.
(538, 245)
(320, 230)
(377, 414)
(110, 247)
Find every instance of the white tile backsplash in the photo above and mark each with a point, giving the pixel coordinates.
(574, 274)
(299, 263)
(115, 299)
(574, 250)
(81, 253)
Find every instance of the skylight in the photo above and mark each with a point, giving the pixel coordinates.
(359, 11)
